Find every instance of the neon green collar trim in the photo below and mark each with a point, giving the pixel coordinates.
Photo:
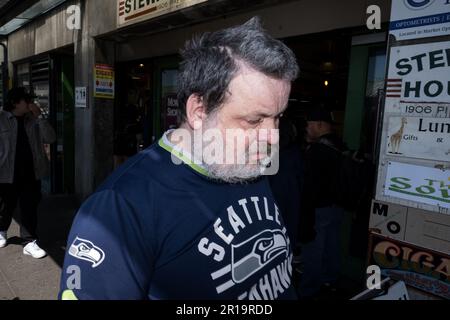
(183, 158)
(68, 295)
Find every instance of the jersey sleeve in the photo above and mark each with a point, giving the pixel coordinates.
(109, 254)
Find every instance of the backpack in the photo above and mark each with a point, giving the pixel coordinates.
(354, 179)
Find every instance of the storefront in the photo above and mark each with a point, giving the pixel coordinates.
(49, 77)
(342, 68)
(324, 51)
(146, 105)
(124, 59)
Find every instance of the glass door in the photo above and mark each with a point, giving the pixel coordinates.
(63, 152)
(167, 113)
(39, 85)
(170, 113)
(50, 80)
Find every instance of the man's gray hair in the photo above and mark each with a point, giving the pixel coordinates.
(212, 60)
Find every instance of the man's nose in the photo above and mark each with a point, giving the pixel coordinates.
(269, 132)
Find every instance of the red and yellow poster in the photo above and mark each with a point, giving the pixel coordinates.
(104, 81)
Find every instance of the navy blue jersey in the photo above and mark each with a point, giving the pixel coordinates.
(158, 230)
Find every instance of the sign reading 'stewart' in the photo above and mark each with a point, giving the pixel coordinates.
(133, 11)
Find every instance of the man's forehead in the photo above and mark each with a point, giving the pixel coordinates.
(266, 111)
(259, 94)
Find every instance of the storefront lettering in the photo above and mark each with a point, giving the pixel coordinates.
(439, 127)
(436, 188)
(410, 137)
(389, 255)
(430, 89)
(436, 59)
(429, 61)
(134, 5)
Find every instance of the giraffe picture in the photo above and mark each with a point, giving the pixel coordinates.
(396, 139)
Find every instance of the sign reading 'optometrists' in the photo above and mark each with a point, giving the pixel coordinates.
(132, 11)
(413, 19)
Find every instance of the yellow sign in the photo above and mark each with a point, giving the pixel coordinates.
(104, 81)
(133, 11)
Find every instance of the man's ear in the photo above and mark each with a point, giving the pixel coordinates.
(195, 111)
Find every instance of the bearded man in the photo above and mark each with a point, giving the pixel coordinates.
(193, 216)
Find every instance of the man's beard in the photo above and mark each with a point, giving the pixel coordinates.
(235, 173)
(242, 170)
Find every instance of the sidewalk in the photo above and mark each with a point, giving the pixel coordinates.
(25, 278)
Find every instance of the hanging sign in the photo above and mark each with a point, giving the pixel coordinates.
(414, 19)
(133, 11)
(418, 184)
(418, 267)
(418, 80)
(417, 137)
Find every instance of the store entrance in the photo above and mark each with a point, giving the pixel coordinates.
(133, 120)
(346, 79)
(324, 63)
(50, 77)
(147, 104)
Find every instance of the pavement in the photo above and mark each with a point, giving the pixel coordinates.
(25, 278)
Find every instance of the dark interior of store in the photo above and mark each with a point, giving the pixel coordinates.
(323, 60)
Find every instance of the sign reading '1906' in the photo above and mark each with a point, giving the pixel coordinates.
(132, 11)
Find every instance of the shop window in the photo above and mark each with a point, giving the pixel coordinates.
(133, 116)
(170, 110)
(23, 75)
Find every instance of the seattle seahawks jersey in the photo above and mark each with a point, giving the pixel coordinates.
(160, 230)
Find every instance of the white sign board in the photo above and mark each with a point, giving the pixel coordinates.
(388, 219)
(80, 97)
(396, 292)
(414, 19)
(428, 229)
(418, 184)
(418, 76)
(133, 11)
(424, 228)
(417, 137)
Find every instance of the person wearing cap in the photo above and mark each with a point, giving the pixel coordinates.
(23, 163)
(320, 217)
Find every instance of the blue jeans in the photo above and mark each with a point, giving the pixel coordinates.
(321, 257)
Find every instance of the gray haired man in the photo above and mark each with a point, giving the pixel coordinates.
(170, 223)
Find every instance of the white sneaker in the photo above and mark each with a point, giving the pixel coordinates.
(3, 239)
(32, 249)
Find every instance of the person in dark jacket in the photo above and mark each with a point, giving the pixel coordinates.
(320, 217)
(23, 163)
(286, 184)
